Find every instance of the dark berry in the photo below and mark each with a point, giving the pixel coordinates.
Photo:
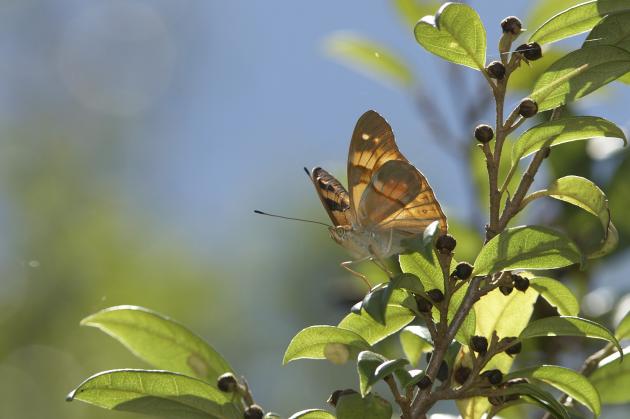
(484, 134)
(527, 108)
(424, 305)
(533, 52)
(425, 382)
(227, 382)
(445, 244)
(521, 283)
(494, 377)
(479, 344)
(461, 374)
(496, 70)
(253, 412)
(436, 295)
(514, 349)
(463, 270)
(512, 25)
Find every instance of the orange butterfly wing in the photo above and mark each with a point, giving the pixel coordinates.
(334, 197)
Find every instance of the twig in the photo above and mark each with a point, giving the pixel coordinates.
(401, 400)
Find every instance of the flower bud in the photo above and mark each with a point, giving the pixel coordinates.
(494, 377)
(505, 290)
(227, 383)
(527, 108)
(461, 374)
(253, 412)
(424, 383)
(514, 349)
(511, 25)
(445, 244)
(479, 344)
(436, 295)
(484, 134)
(533, 52)
(463, 270)
(521, 283)
(496, 70)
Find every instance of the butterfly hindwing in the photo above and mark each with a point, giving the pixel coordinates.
(334, 197)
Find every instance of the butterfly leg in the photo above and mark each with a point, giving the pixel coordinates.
(346, 266)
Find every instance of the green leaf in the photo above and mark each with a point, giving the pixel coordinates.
(415, 340)
(576, 20)
(611, 30)
(396, 317)
(408, 378)
(456, 34)
(612, 379)
(541, 398)
(467, 328)
(423, 263)
(412, 10)
(566, 380)
(367, 363)
(409, 282)
(560, 131)
(369, 58)
(375, 302)
(160, 341)
(568, 326)
(161, 393)
(388, 368)
(585, 194)
(556, 294)
(318, 342)
(526, 247)
(524, 80)
(623, 328)
(579, 73)
(372, 406)
(312, 414)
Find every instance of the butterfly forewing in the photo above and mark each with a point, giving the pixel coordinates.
(334, 197)
(372, 145)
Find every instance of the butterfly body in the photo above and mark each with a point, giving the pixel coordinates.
(388, 199)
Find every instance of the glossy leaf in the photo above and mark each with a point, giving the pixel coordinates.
(367, 362)
(541, 397)
(566, 380)
(415, 340)
(576, 20)
(456, 34)
(568, 326)
(375, 302)
(612, 30)
(623, 328)
(160, 341)
(388, 368)
(160, 393)
(314, 342)
(579, 73)
(372, 406)
(612, 378)
(526, 247)
(553, 133)
(556, 294)
(369, 58)
(312, 414)
(408, 378)
(396, 317)
(423, 262)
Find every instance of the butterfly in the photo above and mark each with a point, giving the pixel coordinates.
(388, 200)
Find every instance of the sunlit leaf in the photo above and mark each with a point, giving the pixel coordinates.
(312, 414)
(579, 73)
(369, 58)
(526, 247)
(566, 380)
(423, 261)
(541, 397)
(415, 340)
(408, 378)
(456, 34)
(396, 317)
(612, 378)
(576, 20)
(541, 10)
(623, 328)
(568, 326)
(160, 341)
(367, 362)
(560, 131)
(467, 328)
(372, 406)
(161, 393)
(612, 30)
(312, 343)
(556, 294)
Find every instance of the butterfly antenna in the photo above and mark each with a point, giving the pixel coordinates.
(307, 172)
(291, 218)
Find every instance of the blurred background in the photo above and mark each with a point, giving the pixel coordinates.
(137, 136)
